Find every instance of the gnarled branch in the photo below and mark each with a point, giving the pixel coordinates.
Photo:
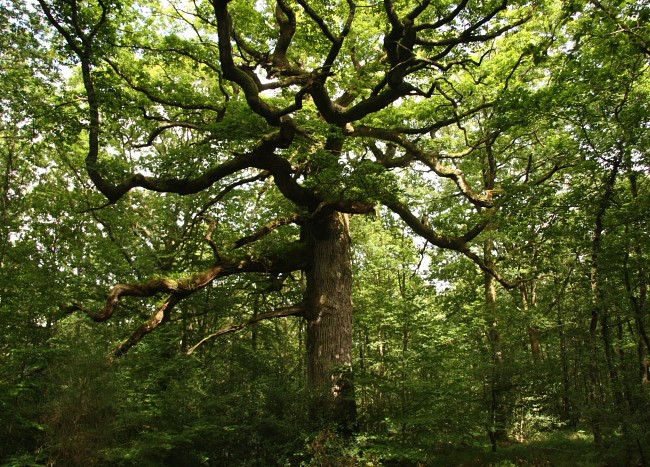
(429, 159)
(292, 260)
(161, 316)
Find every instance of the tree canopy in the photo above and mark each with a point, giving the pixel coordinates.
(359, 230)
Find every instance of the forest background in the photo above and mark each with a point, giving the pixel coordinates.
(302, 232)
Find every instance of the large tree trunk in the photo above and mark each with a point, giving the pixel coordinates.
(328, 301)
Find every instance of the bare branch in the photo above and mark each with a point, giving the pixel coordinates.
(459, 244)
(294, 310)
(162, 128)
(319, 21)
(502, 6)
(424, 230)
(428, 158)
(445, 19)
(336, 47)
(221, 195)
(158, 99)
(467, 38)
(490, 270)
(267, 229)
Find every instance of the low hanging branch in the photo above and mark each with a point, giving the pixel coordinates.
(163, 314)
(179, 289)
(294, 310)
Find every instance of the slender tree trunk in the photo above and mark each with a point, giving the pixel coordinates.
(637, 293)
(254, 329)
(596, 393)
(644, 364)
(599, 311)
(626, 380)
(5, 200)
(608, 345)
(497, 429)
(529, 298)
(567, 412)
(328, 301)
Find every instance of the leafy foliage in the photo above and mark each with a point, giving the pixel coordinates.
(492, 159)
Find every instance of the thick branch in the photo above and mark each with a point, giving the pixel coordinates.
(184, 186)
(318, 20)
(447, 242)
(418, 10)
(155, 287)
(82, 48)
(114, 192)
(336, 115)
(292, 260)
(388, 158)
(425, 231)
(283, 177)
(161, 316)
(286, 19)
(242, 77)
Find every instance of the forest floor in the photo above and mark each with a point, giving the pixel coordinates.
(575, 449)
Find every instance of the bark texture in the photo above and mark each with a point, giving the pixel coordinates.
(328, 310)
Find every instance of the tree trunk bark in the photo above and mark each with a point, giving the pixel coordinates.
(567, 411)
(328, 310)
(497, 430)
(497, 427)
(599, 309)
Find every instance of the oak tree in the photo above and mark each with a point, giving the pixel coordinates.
(318, 111)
